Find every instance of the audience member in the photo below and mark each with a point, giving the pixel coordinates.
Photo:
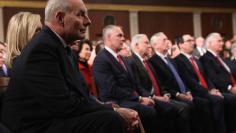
(22, 27)
(114, 81)
(173, 83)
(84, 53)
(125, 50)
(225, 53)
(232, 61)
(46, 92)
(3, 68)
(199, 49)
(215, 68)
(148, 85)
(195, 79)
(220, 75)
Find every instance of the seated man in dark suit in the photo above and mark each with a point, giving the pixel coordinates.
(46, 92)
(148, 85)
(172, 83)
(115, 83)
(220, 75)
(195, 79)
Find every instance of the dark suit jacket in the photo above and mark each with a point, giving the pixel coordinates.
(190, 77)
(216, 72)
(232, 65)
(165, 75)
(43, 88)
(112, 80)
(142, 78)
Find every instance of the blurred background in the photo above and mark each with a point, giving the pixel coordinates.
(174, 17)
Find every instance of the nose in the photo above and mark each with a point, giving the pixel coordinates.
(87, 21)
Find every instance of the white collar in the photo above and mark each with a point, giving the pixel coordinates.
(162, 56)
(186, 55)
(61, 39)
(140, 58)
(111, 51)
(212, 52)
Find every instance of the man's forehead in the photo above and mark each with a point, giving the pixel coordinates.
(78, 5)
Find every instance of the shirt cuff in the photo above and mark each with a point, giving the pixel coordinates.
(177, 94)
(229, 87)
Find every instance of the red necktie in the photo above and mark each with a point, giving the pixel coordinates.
(200, 77)
(230, 74)
(154, 82)
(121, 61)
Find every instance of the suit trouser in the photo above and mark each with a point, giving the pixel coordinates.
(104, 121)
(147, 115)
(230, 111)
(200, 112)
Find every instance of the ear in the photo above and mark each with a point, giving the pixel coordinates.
(60, 17)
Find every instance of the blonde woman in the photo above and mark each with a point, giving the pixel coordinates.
(21, 29)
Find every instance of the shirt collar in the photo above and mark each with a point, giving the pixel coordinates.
(212, 52)
(186, 55)
(111, 51)
(61, 39)
(161, 55)
(140, 58)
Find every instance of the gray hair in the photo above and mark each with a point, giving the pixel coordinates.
(136, 39)
(108, 29)
(154, 37)
(209, 38)
(55, 5)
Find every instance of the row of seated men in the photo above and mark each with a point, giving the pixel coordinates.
(179, 95)
(182, 95)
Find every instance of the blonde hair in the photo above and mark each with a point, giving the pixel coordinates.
(21, 29)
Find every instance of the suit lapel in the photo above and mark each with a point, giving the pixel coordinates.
(71, 76)
(189, 65)
(140, 65)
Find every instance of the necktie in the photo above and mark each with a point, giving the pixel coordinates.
(79, 76)
(121, 61)
(227, 69)
(177, 77)
(71, 59)
(200, 77)
(151, 75)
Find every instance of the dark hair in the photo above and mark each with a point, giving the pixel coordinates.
(99, 46)
(179, 39)
(82, 42)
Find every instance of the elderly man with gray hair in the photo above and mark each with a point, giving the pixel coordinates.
(221, 76)
(47, 94)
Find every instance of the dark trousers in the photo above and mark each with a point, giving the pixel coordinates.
(96, 122)
(230, 111)
(174, 116)
(147, 115)
(200, 112)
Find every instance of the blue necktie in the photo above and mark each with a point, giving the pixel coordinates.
(177, 77)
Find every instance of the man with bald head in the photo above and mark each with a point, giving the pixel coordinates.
(46, 92)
